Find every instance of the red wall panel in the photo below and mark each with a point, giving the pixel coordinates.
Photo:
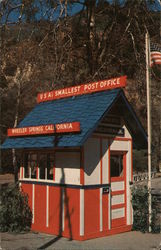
(55, 210)
(92, 211)
(105, 211)
(27, 188)
(40, 207)
(72, 211)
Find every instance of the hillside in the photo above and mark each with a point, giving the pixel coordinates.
(99, 42)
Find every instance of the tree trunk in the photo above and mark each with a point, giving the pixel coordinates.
(91, 33)
(14, 159)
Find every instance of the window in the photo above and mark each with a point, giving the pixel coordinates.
(33, 165)
(26, 168)
(30, 165)
(42, 166)
(116, 165)
(50, 166)
(46, 164)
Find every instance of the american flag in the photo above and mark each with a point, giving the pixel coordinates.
(155, 54)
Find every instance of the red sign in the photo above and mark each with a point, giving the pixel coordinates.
(83, 89)
(45, 129)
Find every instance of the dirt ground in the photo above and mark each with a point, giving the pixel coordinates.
(125, 241)
(155, 183)
(6, 178)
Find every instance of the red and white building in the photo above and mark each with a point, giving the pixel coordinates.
(76, 166)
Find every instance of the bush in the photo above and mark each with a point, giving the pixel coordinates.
(141, 210)
(15, 214)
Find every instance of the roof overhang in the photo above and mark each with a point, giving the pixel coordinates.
(89, 110)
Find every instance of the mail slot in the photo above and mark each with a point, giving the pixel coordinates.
(105, 190)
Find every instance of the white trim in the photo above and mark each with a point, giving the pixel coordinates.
(47, 206)
(118, 185)
(33, 203)
(118, 199)
(119, 145)
(38, 173)
(29, 172)
(46, 174)
(63, 210)
(109, 209)
(101, 222)
(81, 212)
(48, 181)
(21, 172)
(128, 178)
(118, 213)
(105, 161)
(29, 179)
(132, 214)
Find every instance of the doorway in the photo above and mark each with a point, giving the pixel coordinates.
(118, 188)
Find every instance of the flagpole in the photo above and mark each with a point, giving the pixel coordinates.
(147, 43)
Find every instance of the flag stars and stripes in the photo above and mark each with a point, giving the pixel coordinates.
(155, 54)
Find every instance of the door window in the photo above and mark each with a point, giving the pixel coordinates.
(116, 165)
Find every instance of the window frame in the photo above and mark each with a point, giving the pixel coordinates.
(46, 152)
(115, 153)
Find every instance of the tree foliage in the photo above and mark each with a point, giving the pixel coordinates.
(15, 214)
(46, 45)
(141, 210)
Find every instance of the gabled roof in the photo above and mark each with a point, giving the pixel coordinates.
(88, 109)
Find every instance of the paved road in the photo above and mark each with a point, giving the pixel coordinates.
(125, 241)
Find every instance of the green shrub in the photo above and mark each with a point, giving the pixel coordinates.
(141, 210)
(15, 214)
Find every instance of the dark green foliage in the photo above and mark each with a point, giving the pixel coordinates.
(15, 214)
(140, 209)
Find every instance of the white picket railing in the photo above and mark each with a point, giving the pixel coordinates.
(143, 176)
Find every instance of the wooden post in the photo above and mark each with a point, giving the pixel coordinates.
(147, 43)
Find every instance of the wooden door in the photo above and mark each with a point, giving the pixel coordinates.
(118, 188)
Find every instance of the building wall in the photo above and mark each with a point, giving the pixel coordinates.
(110, 211)
(56, 210)
(79, 209)
(119, 145)
(96, 156)
(91, 211)
(92, 161)
(67, 167)
(127, 133)
(105, 161)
